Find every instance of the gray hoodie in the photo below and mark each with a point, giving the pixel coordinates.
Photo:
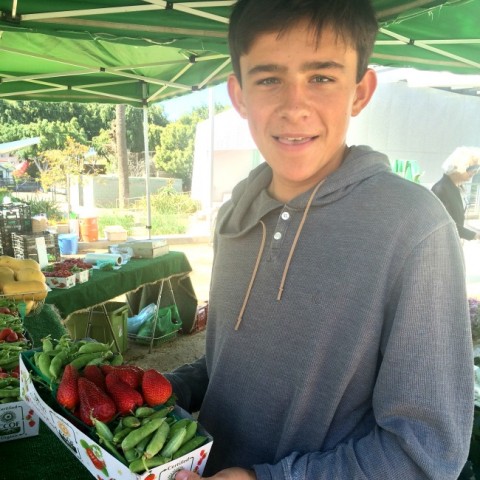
(338, 339)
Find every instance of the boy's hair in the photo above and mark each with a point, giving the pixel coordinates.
(353, 20)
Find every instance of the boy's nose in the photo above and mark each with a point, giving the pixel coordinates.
(294, 101)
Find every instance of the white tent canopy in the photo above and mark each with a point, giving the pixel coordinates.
(18, 144)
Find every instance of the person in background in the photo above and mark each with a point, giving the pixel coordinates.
(333, 352)
(458, 169)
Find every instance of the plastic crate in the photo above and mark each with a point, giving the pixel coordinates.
(118, 314)
(14, 218)
(24, 246)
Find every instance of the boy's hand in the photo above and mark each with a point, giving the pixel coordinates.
(227, 474)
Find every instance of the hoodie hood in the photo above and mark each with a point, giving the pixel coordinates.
(250, 200)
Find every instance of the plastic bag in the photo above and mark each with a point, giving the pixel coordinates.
(166, 321)
(137, 321)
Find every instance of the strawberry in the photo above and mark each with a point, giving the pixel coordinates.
(67, 393)
(125, 397)
(95, 374)
(130, 374)
(156, 388)
(94, 402)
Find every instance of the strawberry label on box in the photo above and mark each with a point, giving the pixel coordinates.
(17, 420)
(99, 461)
(61, 282)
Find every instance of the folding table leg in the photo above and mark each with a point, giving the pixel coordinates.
(109, 323)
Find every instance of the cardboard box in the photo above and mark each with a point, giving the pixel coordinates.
(61, 282)
(115, 233)
(85, 448)
(82, 276)
(17, 420)
(147, 248)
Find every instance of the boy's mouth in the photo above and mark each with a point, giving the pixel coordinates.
(294, 140)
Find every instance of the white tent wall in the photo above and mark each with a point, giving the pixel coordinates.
(421, 124)
(235, 154)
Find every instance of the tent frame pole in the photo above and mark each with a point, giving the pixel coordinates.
(147, 162)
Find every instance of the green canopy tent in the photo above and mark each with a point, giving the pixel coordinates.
(141, 52)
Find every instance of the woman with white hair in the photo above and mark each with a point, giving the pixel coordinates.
(458, 168)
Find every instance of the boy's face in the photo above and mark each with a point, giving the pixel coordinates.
(298, 97)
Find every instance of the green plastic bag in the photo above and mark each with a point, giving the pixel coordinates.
(167, 320)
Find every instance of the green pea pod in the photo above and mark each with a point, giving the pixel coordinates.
(102, 430)
(131, 455)
(130, 421)
(190, 446)
(58, 361)
(10, 392)
(43, 364)
(143, 464)
(121, 434)
(142, 444)
(142, 412)
(47, 344)
(174, 443)
(9, 382)
(157, 441)
(111, 448)
(137, 435)
(92, 347)
(83, 359)
(191, 431)
(183, 422)
(116, 360)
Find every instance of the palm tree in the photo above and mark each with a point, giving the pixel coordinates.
(122, 153)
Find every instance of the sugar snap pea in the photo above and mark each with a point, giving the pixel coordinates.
(121, 434)
(10, 392)
(58, 361)
(43, 364)
(137, 435)
(157, 441)
(92, 347)
(189, 446)
(143, 464)
(174, 443)
(102, 429)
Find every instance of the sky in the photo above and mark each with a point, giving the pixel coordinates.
(176, 107)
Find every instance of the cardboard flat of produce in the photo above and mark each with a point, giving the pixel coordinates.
(17, 420)
(147, 248)
(99, 462)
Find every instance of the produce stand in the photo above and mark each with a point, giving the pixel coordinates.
(44, 456)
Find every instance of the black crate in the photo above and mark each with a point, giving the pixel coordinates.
(24, 246)
(14, 218)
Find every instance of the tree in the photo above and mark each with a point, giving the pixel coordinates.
(58, 166)
(175, 154)
(122, 155)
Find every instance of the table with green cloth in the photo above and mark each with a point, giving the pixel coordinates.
(140, 279)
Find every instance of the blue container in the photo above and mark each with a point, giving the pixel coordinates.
(68, 243)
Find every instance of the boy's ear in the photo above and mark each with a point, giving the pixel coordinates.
(365, 89)
(236, 95)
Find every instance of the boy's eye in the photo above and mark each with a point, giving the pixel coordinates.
(267, 81)
(321, 79)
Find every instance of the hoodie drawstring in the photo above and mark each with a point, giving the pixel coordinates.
(289, 259)
(295, 240)
(254, 274)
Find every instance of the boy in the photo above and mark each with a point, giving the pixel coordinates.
(338, 342)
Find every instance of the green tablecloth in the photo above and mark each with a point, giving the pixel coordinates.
(133, 277)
